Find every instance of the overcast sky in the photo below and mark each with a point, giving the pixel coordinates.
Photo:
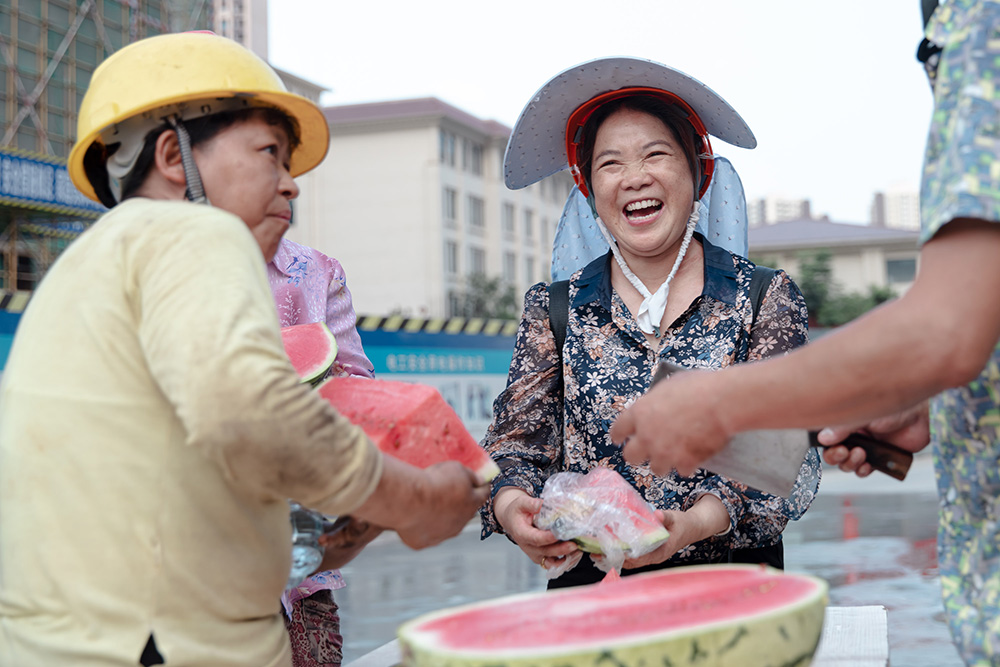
(832, 90)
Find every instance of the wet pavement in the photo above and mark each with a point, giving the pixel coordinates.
(872, 540)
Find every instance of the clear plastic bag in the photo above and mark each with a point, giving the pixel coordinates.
(603, 514)
(307, 552)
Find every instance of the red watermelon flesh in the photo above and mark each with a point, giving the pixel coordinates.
(311, 348)
(410, 421)
(715, 615)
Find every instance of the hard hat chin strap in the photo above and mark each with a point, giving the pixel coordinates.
(195, 190)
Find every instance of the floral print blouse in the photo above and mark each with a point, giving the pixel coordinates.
(607, 364)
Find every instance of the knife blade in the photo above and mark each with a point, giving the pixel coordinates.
(770, 459)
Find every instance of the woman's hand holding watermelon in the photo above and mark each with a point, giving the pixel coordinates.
(707, 517)
(515, 511)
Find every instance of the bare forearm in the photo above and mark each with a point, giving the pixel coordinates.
(879, 364)
(710, 517)
(939, 335)
(423, 506)
(401, 486)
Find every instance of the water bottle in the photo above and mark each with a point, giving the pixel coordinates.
(307, 552)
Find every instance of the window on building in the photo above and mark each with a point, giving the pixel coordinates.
(507, 219)
(477, 261)
(28, 32)
(529, 269)
(56, 95)
(113, 11)
(476, 212)
(27, 138)
(447, 147)
(27, 278)
(58, 17)
(472, 157)
(454, 305)
(529, 223)
(901, 270)
(449, 206)
(509, 267)
(32, 8)
(450, 258)
(27, 61)
(476, 159)
(3, 97)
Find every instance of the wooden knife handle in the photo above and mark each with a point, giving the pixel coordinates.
(881, 455)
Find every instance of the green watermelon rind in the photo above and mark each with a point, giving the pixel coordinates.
(787, 635)
(487, 471)
(648, 542)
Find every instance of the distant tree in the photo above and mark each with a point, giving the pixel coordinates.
(828, 305)
(814, 279)
(489, 297)
(842, 308)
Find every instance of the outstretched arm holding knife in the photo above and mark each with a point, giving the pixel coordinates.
(938, 335)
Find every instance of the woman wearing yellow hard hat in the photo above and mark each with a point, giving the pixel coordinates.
(148, 411)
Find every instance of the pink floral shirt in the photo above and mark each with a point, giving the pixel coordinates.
(310, 287)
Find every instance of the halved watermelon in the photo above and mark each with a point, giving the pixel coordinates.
(410, 421)
(601, 512)
(705, 615)
(311, 349)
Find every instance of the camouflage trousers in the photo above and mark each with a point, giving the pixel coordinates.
(966, 433)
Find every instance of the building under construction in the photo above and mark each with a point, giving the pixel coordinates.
(48, 52)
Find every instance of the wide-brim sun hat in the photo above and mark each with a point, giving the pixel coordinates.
(177, 71)
(537, 147)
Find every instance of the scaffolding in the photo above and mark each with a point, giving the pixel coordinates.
(48, 52)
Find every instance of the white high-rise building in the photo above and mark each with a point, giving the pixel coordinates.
(244, 21)
(411, 200)
(770, 210)
(898, 208)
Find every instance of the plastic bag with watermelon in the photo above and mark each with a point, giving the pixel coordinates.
(603, 514)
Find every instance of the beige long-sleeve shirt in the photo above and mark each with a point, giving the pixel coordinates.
(151, 430)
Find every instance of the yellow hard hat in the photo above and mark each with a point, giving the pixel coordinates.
(179, 70)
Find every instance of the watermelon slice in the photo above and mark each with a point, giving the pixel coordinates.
(706, 615)
(602, 513)
(409, 421)
(311, 349)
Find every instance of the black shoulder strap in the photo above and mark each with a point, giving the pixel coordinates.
(927, 8)
(559, 311)
(759, 281)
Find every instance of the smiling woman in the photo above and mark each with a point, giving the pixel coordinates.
(635, 135)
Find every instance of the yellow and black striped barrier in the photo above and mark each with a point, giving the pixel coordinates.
(12, 301)
(449, 325)
(15, 301)
(50, 231)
